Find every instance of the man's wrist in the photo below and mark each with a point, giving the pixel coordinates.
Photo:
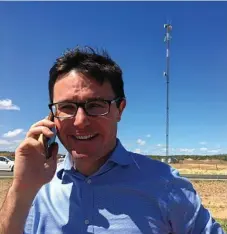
(15, 210)
(23, 191)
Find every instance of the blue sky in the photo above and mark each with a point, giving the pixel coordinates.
(33, 34)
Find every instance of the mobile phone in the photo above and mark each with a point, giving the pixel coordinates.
(48, 141)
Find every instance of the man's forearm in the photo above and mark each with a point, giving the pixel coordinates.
(14, 211)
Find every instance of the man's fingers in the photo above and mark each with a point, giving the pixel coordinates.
(44, 122)
(36, 131)
(29, 143)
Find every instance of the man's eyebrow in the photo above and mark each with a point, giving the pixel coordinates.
(88, 99)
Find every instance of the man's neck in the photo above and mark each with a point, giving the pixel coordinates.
(87, 167)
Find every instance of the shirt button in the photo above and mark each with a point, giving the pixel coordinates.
(86, 221)
(89, 181)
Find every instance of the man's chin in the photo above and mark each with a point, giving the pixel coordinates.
(77, 155)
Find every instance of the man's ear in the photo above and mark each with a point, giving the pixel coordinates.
(121, 109)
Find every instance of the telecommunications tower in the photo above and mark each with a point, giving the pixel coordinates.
(168, 28)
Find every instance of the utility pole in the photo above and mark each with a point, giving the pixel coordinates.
(168, 28)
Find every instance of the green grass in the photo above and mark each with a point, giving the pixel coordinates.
(223, 223)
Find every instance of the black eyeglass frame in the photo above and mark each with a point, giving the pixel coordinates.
(83, 104)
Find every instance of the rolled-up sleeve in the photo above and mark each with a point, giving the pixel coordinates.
(186, 214)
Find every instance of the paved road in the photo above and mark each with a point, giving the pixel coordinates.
(206, 177)
(6, 174)
(191, 177)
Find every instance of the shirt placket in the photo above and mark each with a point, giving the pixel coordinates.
(88, 204)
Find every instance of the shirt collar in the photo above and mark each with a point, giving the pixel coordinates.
(119, 156)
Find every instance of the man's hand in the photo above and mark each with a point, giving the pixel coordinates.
(31, 172)
(31, 169)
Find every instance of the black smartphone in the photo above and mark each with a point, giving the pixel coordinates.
(48, 141)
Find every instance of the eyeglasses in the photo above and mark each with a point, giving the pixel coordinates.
(96, 107)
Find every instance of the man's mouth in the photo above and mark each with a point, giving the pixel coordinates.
(85, 137)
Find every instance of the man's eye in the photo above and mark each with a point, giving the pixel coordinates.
(63, 107)
(96, 104)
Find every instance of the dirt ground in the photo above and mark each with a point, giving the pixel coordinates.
(212, 193)
(208, 168)
(214, 196)
(4, 186)
(205, 161)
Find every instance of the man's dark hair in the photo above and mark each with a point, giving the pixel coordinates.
(93, 64)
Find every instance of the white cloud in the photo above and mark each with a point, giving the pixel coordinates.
(13, 133)
(203, 143)
(183, 150)
(9, 145)
(6, 104)
(214, 151)
(159, 145)
(191, 150)
(141, 142)
(4, 142)
(186, 150)
(138, 151)
(17, 141)
(203, 149)
(8, 148)
(11, 148)
(148, 135)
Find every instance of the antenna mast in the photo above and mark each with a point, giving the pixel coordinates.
(168, 28)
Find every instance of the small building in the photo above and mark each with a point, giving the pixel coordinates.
(163, 160)
(172, 160)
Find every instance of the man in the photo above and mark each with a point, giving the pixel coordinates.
(100, 187)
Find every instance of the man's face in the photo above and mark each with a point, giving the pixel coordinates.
(76, 87)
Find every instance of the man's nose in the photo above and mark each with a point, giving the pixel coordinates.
(81, 119)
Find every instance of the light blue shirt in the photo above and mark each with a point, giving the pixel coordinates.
(130, 194)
